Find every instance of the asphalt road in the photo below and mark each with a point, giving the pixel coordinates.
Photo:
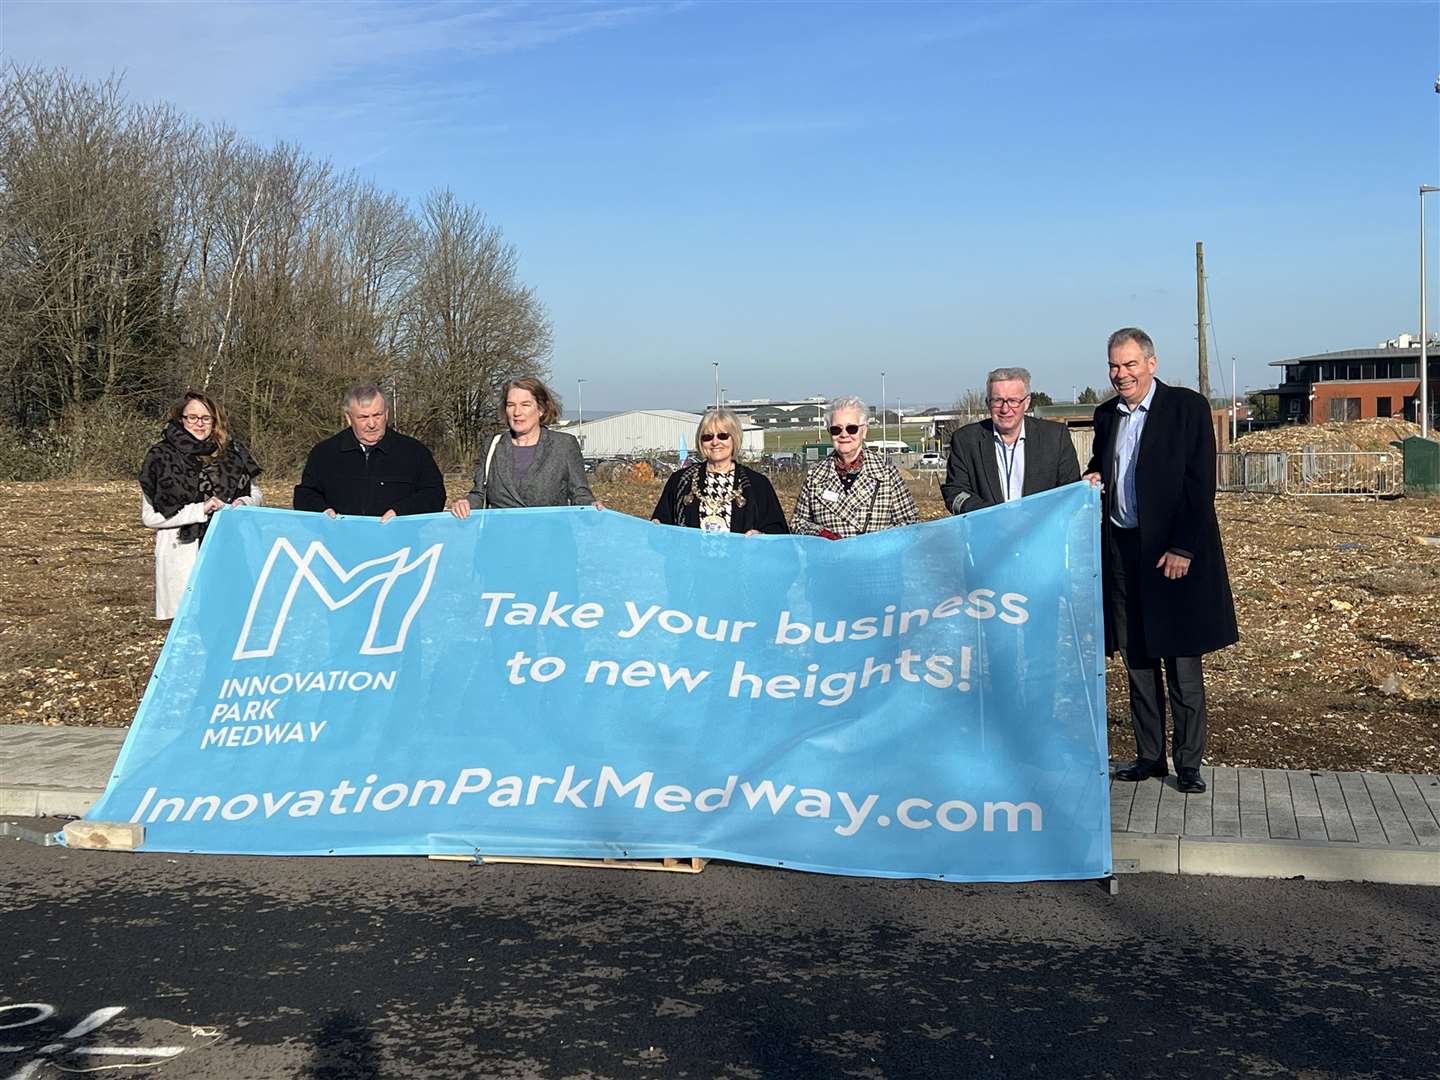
(361, 968)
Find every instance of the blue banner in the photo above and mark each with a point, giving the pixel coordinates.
(923, 702)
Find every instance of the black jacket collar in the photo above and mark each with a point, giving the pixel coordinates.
(348, 441)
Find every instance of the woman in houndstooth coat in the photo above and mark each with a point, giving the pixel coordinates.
(852, 492)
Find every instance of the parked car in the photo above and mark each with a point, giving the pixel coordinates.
(930, 462)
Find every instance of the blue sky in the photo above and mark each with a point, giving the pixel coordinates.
(812, 193)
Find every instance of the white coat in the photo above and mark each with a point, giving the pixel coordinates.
(174, 560)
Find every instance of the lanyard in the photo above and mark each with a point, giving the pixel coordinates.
(1008, 453)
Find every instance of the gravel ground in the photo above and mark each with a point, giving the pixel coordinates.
(1338, 666)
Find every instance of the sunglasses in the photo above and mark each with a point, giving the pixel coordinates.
(848, 429)
(723, 436)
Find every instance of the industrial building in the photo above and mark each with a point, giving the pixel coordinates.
(779, 413)
(642, 432)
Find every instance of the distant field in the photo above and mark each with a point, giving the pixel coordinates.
(794, 440)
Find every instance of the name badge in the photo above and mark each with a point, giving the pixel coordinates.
(830, 496)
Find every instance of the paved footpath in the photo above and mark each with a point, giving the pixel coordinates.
(1281, 823)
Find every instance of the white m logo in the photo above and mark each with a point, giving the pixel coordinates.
(384, 571)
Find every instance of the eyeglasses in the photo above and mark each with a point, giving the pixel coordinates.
(723, 436)
(193, 418)
(848, 429)
(1007, 402)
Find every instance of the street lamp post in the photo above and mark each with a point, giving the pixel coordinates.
(1424, 333)
(884, 420)
(580, 396)
(716, 364)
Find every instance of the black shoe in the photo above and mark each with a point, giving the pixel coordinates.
(1142, 769)
(1189, 781)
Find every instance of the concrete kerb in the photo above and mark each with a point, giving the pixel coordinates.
(1251, 857)
(26, 800)
(1133, 852)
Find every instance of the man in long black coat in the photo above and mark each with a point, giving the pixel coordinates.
(1167, 592)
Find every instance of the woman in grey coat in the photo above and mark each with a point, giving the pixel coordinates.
(529, 465)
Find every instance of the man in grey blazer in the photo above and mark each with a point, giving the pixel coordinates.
(1009, 455)
(1000, 460)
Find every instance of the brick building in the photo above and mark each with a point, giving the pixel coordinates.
(1357, 383)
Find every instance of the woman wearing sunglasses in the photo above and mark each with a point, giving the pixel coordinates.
(715, 493)
(197, 468)
(852, 492)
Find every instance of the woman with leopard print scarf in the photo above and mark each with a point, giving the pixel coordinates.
(195, 469)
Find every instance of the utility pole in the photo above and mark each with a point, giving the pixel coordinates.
(716, 363)
(1200, 319)
(1234, 404)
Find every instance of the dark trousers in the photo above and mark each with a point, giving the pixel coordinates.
(1153, 679)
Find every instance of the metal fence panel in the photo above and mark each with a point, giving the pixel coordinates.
(1311, 472)
(1335, 472)
(1083, 439)
(1265, 472)
(1230, 472)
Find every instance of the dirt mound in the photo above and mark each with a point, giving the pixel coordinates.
(1371, 435)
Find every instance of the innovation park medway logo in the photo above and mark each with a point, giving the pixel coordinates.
(393, 578)
(252, 705)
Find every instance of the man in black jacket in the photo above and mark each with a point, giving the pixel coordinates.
(1009, 455)
(1167, 592)
(369, 471)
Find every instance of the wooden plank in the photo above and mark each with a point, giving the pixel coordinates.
(1306, 800)
(667, 865)
(1253, 820)
(1362, 809)
(1170, 814)
(1430, 788)
(1146, 806)
(1198, 813)
(1122, 796)
(104, 835)
(1225, 803)
(1279, 810)
(1387, 806)
(1338, 825)
(1422, 820)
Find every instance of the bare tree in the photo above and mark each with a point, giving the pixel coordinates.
(471, 324)
(141, 254)
(87, 260)
(967, 408)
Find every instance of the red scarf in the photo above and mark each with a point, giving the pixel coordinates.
(853, 468)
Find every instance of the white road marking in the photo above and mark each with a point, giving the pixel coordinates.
(49, 1052)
